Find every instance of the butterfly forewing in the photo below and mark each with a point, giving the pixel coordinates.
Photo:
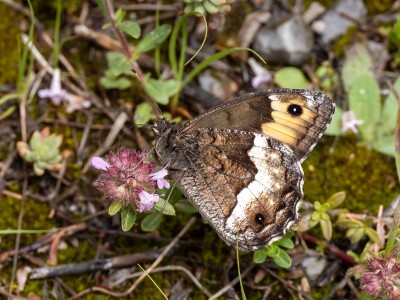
(297, 118)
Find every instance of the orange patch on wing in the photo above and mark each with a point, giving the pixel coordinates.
(302, 121)
(281, 133)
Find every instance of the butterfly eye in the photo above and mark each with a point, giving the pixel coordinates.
(259, 218)
(295, 110)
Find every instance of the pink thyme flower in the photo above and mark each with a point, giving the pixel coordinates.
(349, 122)
(55, 93)
(125, 176)
(99, 163)
(262, 75)
(159, 176)
(383, 278)
(147, 201)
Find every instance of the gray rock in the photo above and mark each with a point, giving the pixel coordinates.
(333, 24)
(314, 266)
(289, 42)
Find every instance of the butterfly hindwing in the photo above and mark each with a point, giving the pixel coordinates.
(244, 184)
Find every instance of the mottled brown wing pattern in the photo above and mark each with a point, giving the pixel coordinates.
(246, 185)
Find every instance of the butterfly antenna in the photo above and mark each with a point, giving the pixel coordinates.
(156, 109)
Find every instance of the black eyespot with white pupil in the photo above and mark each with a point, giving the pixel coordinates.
(259, 218)
(295, 110)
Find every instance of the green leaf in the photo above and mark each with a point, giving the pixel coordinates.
(39, 171)
(350, 223)
(175, 196)
(171, 86)
(315, 216)
(389, 111)
(210, 7)
(119, 15)
(118, 83)
(385, 144)
(336, 199)
(365, 102)
(8, 112)
(153, 39)
(185, 207)
(35, 140)
(8, 97)
(128, 217)
(335, 128)
(282, 259)
(325, 207)
(115, 207)
(165, 207)
(143, 113)
(272, 250)
(291, 77)
(285, 243)
(131, 28)
(259, 256)
(373, 235)
(326, 227)
(151, 222)
(161, 90)
(397, 161)
(118, 64)
(358, 62)
(356, 234)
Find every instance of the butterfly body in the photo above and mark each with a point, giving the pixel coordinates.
(239, 163)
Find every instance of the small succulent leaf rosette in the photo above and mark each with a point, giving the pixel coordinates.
(357, 229)
(130, 179)
(205, 6)
(42, 150)
(320, 214)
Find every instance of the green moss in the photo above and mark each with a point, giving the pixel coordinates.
(378, 7)
(326, 3)
(8, 45)
(368, 178)
(35, 217)
(342, 43)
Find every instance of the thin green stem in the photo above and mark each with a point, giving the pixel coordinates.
(393, 231)
(238, 266)
(212, 59)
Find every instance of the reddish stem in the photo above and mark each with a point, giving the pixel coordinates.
(333, 249)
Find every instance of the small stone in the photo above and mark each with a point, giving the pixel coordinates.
(218, 84)
(314, 266)
(288, 43)
(333, 24)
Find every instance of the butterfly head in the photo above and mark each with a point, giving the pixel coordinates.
(161, 127)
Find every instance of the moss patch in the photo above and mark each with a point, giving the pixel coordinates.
(8, 45)
(368, 178)
(35, 217)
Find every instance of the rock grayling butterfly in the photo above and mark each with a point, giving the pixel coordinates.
(239, 163)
